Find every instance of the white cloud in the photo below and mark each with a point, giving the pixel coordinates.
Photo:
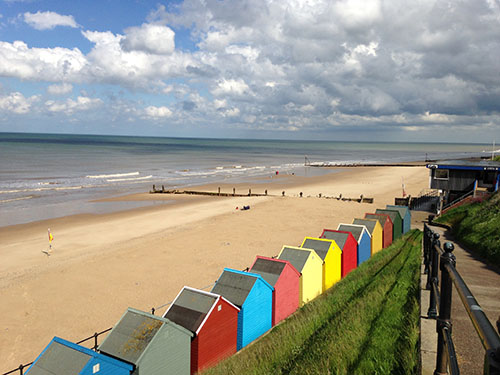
(70, 106)
(62, 89)
(48, 20)
(149, 38)
(158, 112)
(17, 103)
(231, 86)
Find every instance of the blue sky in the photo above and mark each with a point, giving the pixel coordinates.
(348, 69)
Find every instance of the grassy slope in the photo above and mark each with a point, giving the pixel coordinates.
(477, 226)
(367, 323)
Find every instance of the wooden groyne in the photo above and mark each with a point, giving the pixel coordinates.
(209, 193)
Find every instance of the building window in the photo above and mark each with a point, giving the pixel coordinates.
(441, 174)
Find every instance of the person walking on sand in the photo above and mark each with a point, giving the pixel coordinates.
(51, 238)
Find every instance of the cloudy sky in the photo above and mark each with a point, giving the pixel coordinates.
(348, 69)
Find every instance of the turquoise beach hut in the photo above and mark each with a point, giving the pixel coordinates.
(405, 215)
(362, 236)
(62, 357)
(253, 296)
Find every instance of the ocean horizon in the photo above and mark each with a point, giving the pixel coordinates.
(46, 176)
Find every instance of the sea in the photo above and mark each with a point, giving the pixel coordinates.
(45, 176)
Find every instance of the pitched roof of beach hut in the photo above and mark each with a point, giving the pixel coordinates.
(285, 279)
(376, 232)
(397, 221)
(63, 357)
(331, 254)
(271, 269)
(192, 307)
(386, 223)
(138, 333)
(310, 265)
(405, 215)
(348, 245)
(204, 313)
(363, 238)
(254, 296)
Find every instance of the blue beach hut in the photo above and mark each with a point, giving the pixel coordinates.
(254, 296)
(362, 236)
(405, 215)
(62, 357)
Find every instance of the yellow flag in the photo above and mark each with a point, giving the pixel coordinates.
(51, 237)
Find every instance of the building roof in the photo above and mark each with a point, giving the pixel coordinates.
(190, 308)
(130, 337)
(321, 246)
(339, 237)
(64, 357)
(236, 285)
(393, 214)
(356, 230)
(296, 256)
(382, 218)
(368, 223)
(403, 210)
(269, 269)
(481, 165)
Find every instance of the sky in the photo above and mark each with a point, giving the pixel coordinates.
(362, 70)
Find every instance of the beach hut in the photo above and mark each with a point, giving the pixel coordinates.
(349, 247)
(310, 266)
(254, 296)
(363, 238)
(285, 279)
(386, 223)
(375, 230)
(330, 253)
(212, 319)
(62, 357)
(154, 345)
(397, 222)
(405, 215)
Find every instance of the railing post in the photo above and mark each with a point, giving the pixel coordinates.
(433, 237)
(433, 276)
(95, 342)
(21, 367)
(426, 238)
(444, 320)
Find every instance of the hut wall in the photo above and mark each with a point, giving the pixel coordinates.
(286, 294)
(105, 367)
(364, 248)
(169, 352)
(405, 216)
(377, 238)
(312, 278)
(255, 316)
(397, 222)
(216, 339)
(386, 229)
(332, 267)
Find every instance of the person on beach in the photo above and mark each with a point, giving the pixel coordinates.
(51, 238)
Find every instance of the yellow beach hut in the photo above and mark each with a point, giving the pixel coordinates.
(310, 266)
(376, 231)
(331, 254)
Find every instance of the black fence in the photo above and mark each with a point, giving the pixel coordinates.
(437, 259)
(95, 336)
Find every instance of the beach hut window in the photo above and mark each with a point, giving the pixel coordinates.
(441, 174)
(95, 369)
(219, 308)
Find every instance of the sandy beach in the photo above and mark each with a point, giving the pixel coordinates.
(102, 264)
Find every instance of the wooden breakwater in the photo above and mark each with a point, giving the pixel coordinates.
(218, 193)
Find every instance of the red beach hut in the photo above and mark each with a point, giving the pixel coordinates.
(213, 320)
(348, 245)
(285, 279)
(386, 223)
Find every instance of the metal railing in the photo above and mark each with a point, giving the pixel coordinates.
(435, 260)
(459, 199)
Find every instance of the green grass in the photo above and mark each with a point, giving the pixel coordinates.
(366, 324)
(496, 158)
(477, 226)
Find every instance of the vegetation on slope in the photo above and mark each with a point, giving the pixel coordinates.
(496, 158)
(477, 226)
(366, 324)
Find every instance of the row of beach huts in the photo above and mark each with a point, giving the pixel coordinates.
(201, 328)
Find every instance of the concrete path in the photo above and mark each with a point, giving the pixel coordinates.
(484, 282)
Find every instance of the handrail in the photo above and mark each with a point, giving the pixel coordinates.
(435, 259)
(448, 205)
